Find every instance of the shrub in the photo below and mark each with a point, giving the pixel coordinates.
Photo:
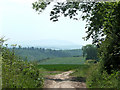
(19, 74)
(99, 78)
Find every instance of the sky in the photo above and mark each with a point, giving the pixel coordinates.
(19, 22)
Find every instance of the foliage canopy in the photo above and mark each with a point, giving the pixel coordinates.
(90, 52)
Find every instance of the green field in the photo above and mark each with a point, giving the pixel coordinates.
(64, 60)
(62, 67)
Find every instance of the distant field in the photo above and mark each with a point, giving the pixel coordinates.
(62, 67)
(64, 60)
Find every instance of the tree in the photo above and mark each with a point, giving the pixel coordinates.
(103, 26)
(90, 52)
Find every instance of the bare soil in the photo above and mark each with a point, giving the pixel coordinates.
(63, 80)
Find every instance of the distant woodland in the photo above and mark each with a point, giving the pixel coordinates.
(37, 54)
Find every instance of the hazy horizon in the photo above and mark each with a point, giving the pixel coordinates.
(20, 23)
